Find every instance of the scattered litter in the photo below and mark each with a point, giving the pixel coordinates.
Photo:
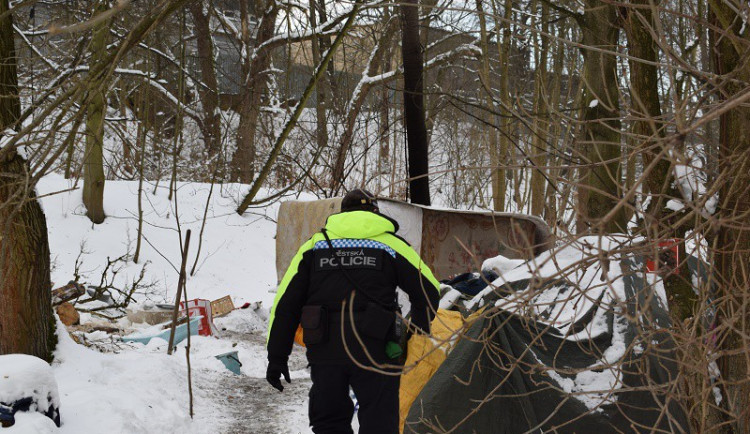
(163, 330)
(255, 305)
(240, 321)
(668, 258)
(501, 265)
(102, 310)
(153, 316)
(222, 306)
(105, 329)
(68, 314)
(68, 292)
(231, 361)
(200, 308)
(472, 283)
(99, 294)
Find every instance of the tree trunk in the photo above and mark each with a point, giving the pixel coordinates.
(732, 247)
(179, 118)
(416, 130)
(255, 70)
(321, 126)
(140, 145)
(645, 106)
(499, 156)
(648, 140)
(325, 43)
(553, 193)
(26, 322)
(540, 127)
(485, 76)
(69, 144)
(355, 105)
(384, 119)
(96, 106)
(431, 102)
(599, 187)
(211, 122)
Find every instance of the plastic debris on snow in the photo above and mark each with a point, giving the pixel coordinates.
(450, 297)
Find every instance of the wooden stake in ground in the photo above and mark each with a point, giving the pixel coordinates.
(180, 285)
(182, 291)
(187, 347)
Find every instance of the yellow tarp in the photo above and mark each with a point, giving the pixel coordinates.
(428, 353)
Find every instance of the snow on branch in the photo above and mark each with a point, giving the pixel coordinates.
(690, 177)
(51, 63)
(226, 24)
(151, 79)
(170, 58)
(157, 85)
(329, 28)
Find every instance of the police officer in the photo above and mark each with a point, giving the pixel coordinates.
(341, 288)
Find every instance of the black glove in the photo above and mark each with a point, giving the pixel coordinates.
(274, 372)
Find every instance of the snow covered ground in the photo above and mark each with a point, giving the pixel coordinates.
(132, 388)
(141, 389)
(135, 388)
(237, 253)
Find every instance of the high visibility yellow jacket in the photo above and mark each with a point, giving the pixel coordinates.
(376, 262)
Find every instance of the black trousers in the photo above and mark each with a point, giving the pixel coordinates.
(331, 408)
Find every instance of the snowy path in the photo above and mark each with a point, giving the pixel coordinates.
(136, 388)
(253, 406)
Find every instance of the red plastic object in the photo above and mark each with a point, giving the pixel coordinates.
(669, 257)
(201, 307)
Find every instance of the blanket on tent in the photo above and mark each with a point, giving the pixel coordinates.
(425, 354)
(572, 343)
